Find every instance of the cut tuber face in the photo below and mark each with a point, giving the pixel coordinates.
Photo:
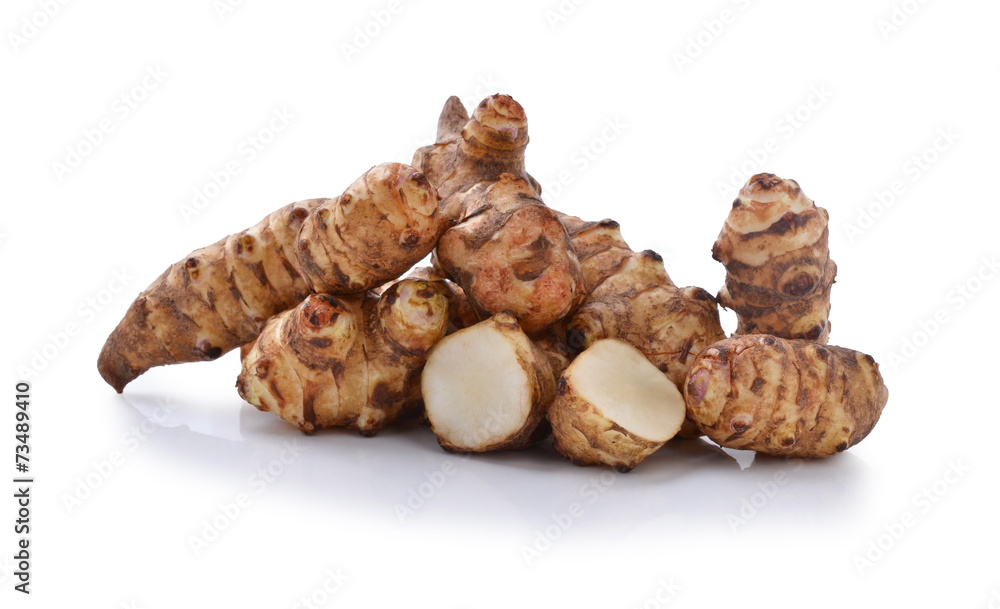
(613, 407)
(487, 387)
(781, 397)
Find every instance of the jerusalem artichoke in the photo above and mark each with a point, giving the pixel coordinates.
(219, 297)
(632, 298)
(383, 224)
(613, 407)
(510, 252)
(480, 149)
(774, 245)
(783, 397)
(487, 388)
(353, 361)
(214, 300)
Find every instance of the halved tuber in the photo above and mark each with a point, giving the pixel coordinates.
(487, 387)
(613, 407)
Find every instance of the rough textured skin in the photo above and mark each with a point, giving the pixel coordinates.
(636, 301)
(633, 298)
(542, 388)
(214, 300)
(346, 362)
(510, 252)
(470, 151)
(383, 224)
(784, 397)
(599, 246)
(778, 269)
(584, 436)
(461, 315)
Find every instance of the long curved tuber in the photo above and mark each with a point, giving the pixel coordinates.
(214, 300)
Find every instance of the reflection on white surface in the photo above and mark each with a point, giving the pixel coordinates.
(402, 476)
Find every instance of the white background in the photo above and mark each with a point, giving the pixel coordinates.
(832, 95)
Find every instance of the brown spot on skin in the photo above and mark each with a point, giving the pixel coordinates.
(382, 397)
(338, 369)
(842, 447)
(801, 285)
(190, 263)
(257, 269)
(788, 441)
(410, 240)
(308, 413)
(541, 243)
(766, 181)
(211, 351)
(562, 386)
(870, 360)
(784, 225)
(686, 350)
(736, 203)
(650, 254)
(769, 341)
(815, 332)
(530, 269)
(823, 355)
(700, 294)
(298, 214)
(663, 368)
(740, 423)
(575, 339)
(391, 296)
(320, 343)
(757, 385)
(427, 293)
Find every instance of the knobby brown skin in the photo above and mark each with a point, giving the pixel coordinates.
(789, 398)
(350, 361)
(214, 300)
(584, 436)
(383, 224)
(633, 298)
(219, 297)
(510, 252)
(472, 150)
(775, 247)
(461, 315)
